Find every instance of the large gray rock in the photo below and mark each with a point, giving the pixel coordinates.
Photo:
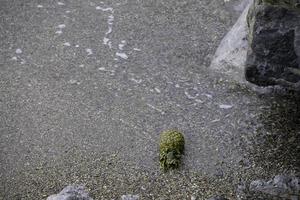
(230, 57)
(274, 43)
(72, 192)
(280, 186)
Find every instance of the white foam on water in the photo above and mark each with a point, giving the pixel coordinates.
(122, 55)
(157, 109)
(190, 96)
(157, 90)
(61, 26)
(106, 39)
(89, 51)
(108, 9)
(107, 42)
(58, 32)
(215, 120)
(60, 3)
(138, 81)
(225, 106)
(198, 101)
(110, 19)
(40, 6)
(73, 81)
(109, 30)
(106, 70)
(67, 44)
(136, 49)
(121, 46)
(18, 51)
(208, 95)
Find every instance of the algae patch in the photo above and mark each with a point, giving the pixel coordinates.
(171, 147)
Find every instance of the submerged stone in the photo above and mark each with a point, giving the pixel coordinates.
(230, 56)
(171, 147)
(280, 186)
(274, 43)
(71, 192)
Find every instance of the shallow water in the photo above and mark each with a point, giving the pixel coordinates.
(131, 69)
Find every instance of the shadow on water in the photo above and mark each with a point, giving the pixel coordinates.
(276, 146)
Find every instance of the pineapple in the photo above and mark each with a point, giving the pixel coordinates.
(171, 147)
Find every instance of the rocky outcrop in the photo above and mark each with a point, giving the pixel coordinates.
(72, 192)
(280, 187)
(274, 43)
(287, 187)
(231, 54)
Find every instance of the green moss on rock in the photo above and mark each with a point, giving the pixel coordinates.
(171, 147)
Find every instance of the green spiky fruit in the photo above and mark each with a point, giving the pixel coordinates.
(171, 147)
